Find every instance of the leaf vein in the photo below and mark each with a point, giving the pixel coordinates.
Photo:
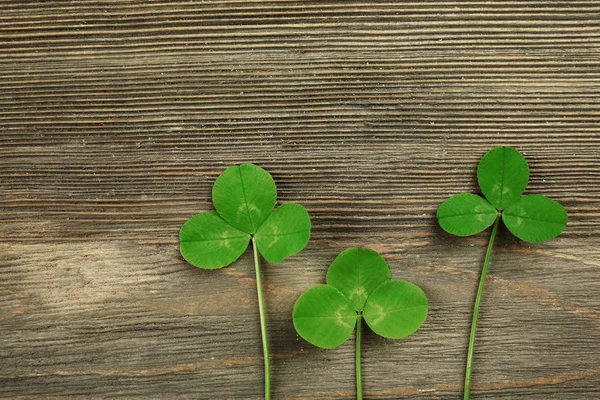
(214, 239)
(535, 219)
(318, 316)
(468, 213)
(284, 234)
(502, 177)
(397, 310)
(246, 199)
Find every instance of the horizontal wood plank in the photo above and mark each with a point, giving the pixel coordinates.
(117, 116)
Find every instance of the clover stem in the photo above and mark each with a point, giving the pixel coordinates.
(263, 323)
(488, 255)
(358, 368)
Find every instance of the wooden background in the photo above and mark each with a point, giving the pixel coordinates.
(117, 116)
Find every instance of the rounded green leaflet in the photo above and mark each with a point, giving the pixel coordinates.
(466, 214)
(535, 218)
(207, 241)
(503, 174)
(284, 233)
(396, 309)
(356, 272)
(324, 317)
(244, 195)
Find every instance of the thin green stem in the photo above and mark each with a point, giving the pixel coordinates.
(488, 255)
(263, 323)
(358, 368)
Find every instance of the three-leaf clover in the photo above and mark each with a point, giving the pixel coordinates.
(503, 174)
(358, 286)
(244, 197)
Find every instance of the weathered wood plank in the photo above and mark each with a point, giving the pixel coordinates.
(117, 116)
(125, 318)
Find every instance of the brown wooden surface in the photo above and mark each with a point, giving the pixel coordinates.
(117, 116)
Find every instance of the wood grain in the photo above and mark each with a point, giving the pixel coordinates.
(117, 116)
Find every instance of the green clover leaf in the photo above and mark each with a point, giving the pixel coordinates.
(209, 242)
(358, 283)
(244, 197)
(285, 232)
(356, 272)
(502, 174)
(535, 218)
(324, 317)
(396, 309)
(466, 214)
